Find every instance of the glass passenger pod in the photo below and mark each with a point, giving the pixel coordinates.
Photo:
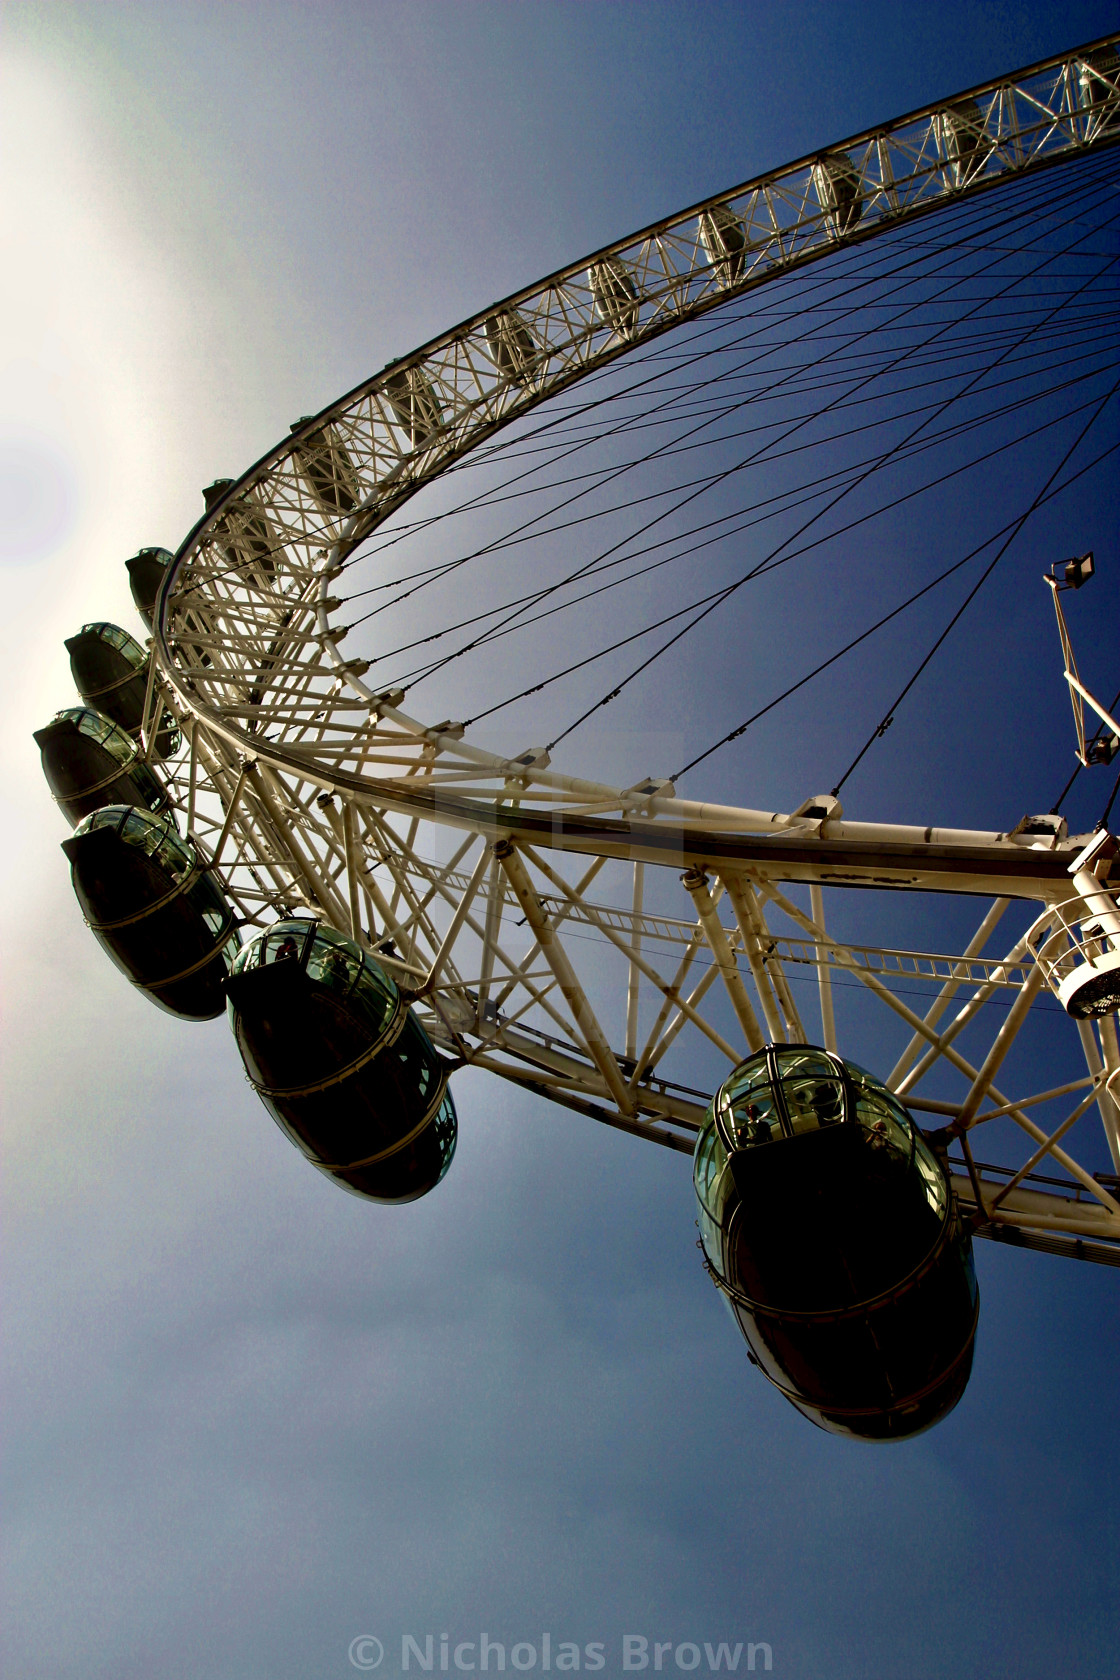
(964, 140)
(110, 671)
(89, 761)
(244, 536)
(327, 469)
(512, 347)
(414, 402)
(614, 293)
(161, 916)
(840, 192)
(340, 1061)
(725, 242)
(831, 1228)
(146, 572)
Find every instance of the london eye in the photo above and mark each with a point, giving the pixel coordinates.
(337, 793)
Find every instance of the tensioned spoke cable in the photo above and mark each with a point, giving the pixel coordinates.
(729, 377)
(797, 425)
(1027, 199)
(782, 502)
(818, 542)
(785, 506)
(731, 589)
(535, 522)
(764, 567)
(1057, 190)
(453, 565)
(825, 664)
(734, 385)
(888, 717)
(1065, 344)
(1058, 803)
(992, 207)
(633, 423)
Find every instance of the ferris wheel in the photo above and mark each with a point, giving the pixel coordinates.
(262, 823)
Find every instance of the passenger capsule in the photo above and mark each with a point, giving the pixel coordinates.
(146, 572)
(110, 671)
(328, 469)
(837, 181)
(341, 1062)
(412, 397)
(964, 139)
(244, 535)
(725, 242)
(615, 294)
(89, 761)
(511, 346)
(154, 907)
(832, 1230)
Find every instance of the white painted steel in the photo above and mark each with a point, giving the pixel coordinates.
(309, 790)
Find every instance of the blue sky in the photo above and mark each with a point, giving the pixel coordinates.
(250, 1419)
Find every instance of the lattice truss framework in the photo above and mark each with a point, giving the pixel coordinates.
(474, 876)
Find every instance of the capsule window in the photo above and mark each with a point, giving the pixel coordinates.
(933, 1179)
(885, 1124)
(115, 637)
(710, 1178)
(104, 731)
(812, 1103)
(376, 991)
(755, 1118)
(161, 841)
(332, 965)
(248, 957)
(748, 1106)
(285, 942)
(711, 1157)
(753, 1075)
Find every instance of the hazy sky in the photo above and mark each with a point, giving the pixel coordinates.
(250, 1419)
